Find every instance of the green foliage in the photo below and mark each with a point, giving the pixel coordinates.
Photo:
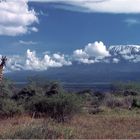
(97, 98)
(95, 110)
(136, 102)
(9, 108)
(113, 102)
(6, 88)
(128, 88)
(60, 107)
(25, 94)
(54, 88)
(46, 98)
(42, 86)
(35, 84)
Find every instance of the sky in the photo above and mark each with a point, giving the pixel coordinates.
(40, 34)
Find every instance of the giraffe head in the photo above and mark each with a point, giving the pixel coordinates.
(3, 61)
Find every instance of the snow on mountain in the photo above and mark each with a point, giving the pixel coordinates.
(130, 53)
(124, 49)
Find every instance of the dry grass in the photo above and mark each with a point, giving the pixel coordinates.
(85, 126)
(107, 127)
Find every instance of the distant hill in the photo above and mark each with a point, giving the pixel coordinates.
(84, 73)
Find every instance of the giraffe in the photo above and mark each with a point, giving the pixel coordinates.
(3, 63)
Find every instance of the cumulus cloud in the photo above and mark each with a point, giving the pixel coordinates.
(116, 60)
(35, 63)
(16, 18)
(14, 63)
(32, 62)
(104, 6)
(91, 53)
(97, 49)
(97, 52)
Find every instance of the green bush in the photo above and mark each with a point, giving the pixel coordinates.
(54, 88)
(24, 94)
(126, 89)
(113, 102)
(136, 103)
(60, 107)
(95, 110)
(8, 108)
(97, 99)
(6, 88)
(128, 101)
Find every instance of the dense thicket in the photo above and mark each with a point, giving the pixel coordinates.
(41, 98)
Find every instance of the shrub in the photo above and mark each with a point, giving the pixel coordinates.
(6, 88)
(95, 110)
(130, 92)
(25, 94)
(113, 102)
(128, 101)
(9, 108)
(97, 98)
(85, 92)
(136, 103)
(99, 95)
(54, 88)
(126, 89)
(60, 107)
(95, 102)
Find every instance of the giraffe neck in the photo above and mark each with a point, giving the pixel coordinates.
(1, 66)
(1, 72)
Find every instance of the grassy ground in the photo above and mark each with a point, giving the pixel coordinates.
(110, 125)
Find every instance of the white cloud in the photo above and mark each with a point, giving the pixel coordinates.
(80, 54)
(116, 60)
(96, 49)
(104, 6)
(93, 52)
(61, 59)
(132, 21)
(34, 29)
(16, 18)
(15, 63)
(35, 63)
(27, 42)
(31, 62)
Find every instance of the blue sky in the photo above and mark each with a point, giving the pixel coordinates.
(64, 27)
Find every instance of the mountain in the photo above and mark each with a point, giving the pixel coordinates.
(84, 73)
(129, 53)
(124, 49)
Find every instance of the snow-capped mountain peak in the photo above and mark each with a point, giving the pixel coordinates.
(124, 49)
